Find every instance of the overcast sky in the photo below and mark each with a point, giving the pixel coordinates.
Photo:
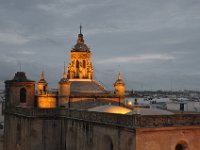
(155, 44)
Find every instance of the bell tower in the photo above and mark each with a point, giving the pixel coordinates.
(20, 91)
(80, 66)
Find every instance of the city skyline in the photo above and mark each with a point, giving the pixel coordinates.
(154, 44)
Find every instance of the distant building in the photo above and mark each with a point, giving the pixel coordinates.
(82, 115)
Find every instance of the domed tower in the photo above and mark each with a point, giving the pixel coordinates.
(80, 66)
(120, 88)
(42, 85)
(20, 91)
(64, 90)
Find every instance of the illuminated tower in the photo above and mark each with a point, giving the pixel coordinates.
(80, 66)
(120, 88)
(42, 85)
(64, 90)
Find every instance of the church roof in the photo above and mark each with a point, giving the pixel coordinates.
(80, 48)
(20, 77)
(119, 80)
(90, 87)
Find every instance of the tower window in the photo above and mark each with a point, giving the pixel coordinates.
(84, 64)
(77, 64)
(23, 95)
(44, 89)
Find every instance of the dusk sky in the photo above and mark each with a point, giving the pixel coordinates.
(155, 44)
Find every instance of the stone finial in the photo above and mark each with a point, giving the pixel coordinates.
(119, 76)
(42, 79)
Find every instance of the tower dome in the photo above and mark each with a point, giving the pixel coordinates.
(80, 46)
(64, 79)
(119, 80)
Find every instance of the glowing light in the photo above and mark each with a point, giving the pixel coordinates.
(130, 103)
(111, 109)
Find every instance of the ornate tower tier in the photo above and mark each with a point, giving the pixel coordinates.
(80, 66)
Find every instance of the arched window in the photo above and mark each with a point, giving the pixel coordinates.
(107, 142)
(45, 89)
(77, 64)
(181, 146)
(23, 95)
(84, 64)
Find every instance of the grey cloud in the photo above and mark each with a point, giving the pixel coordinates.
(39, 34)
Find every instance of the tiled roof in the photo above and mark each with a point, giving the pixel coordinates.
(20, 77)
(86, 87)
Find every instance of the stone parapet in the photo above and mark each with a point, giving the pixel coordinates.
(130, 121)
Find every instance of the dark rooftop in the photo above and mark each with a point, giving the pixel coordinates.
(20, 77)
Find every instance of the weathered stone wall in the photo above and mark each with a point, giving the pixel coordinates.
(64, 129)
(167, 138)
(13, 93)
(52, 133)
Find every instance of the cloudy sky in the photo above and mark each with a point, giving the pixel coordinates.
(155, 44)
